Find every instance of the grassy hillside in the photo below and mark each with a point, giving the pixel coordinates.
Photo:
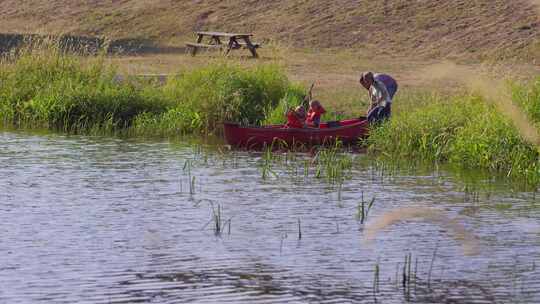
(429, 28)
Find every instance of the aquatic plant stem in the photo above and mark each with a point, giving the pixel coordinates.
(431, 265)
(299, 230)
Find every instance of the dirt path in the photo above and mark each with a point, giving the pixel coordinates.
(331, 71)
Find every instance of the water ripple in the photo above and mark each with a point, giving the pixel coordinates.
(103, 220)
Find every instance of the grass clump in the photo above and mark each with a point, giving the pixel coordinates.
(228, 92)
(333, 164)
(44, 87)
(465, 131)
(425, 132)
(292, 98)
(491, 142)
(528, 97)
(205, 98)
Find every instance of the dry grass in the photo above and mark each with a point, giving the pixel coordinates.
(335, 73)
(402, 38)
(461, 29)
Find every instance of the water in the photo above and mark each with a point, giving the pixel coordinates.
(103, 220)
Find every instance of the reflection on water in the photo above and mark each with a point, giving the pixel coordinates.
(103, 220)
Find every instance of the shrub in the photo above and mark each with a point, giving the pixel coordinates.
(227, 92)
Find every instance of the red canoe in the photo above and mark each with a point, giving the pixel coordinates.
(347, 131)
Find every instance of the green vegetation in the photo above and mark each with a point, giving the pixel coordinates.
(331, 163)
(463, 130)
(528, 97)
(202, 99)
(292, 98)
(44, 88)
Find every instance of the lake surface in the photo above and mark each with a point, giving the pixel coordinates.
(107, 220)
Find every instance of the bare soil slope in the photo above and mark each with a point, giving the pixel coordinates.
(429, 28)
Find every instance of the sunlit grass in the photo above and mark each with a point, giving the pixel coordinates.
(463, 130)
(44, 87)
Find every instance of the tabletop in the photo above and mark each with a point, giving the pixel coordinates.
(222, 34)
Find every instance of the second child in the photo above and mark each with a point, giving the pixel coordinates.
(314, 114)
(296, 118)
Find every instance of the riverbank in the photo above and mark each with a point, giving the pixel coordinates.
(46, 88)
(463, 130)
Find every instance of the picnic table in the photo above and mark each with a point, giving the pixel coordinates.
(233, 41)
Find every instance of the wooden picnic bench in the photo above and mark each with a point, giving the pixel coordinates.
(233, 41)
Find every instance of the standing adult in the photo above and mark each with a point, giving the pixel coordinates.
(381, 88)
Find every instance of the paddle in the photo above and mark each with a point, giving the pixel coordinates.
(309, 95)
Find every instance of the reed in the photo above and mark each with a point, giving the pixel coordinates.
(340, 189)
(219, 223)
(192, 186)
(363, 209)
(45, 88)
(299, 230)
(329, 162)
(465, 130)
(431, 266)
(332, 163)
(407, 276)
(306, 168)
(267, 160)
(415, 275)
(376, 280)
(527, 96)
(282, 239)
(188, 164)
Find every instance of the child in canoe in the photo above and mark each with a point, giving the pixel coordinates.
(314, 114)
(296, 118)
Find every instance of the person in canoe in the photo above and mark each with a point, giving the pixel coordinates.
(381, 88)
(314, 114)
(296, 118)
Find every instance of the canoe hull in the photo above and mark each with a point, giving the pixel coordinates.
(348, 132)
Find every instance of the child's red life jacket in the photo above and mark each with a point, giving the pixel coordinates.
(293, 121)
(314, 116)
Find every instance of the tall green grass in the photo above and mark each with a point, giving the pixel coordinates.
(465, 130)
(292, 98)
(47, 88)
(528, 97)
(206, 97)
